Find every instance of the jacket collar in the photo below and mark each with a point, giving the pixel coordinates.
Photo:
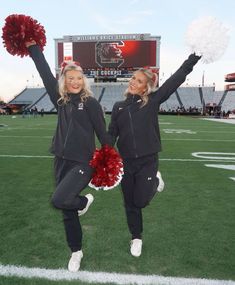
(133, 98)
(75, 97)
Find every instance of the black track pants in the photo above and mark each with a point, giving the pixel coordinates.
(139, 184)
(71, 178)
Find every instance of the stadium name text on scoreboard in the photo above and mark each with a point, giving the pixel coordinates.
(111, 55)
(107, 37)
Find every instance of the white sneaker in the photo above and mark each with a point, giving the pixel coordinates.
(75, 261)
(136, 247)
(89, 202)
(161, 184)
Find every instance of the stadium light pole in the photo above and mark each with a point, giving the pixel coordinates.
(203, 78)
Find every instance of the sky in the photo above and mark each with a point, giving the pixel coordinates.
(167, 19)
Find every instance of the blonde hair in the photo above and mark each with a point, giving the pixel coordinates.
(152, 79)
(64, 98)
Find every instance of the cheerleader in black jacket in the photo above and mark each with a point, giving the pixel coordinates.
(134, 124)
(80, 116)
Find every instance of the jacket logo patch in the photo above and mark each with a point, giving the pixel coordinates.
(120, 108)
(80, 106)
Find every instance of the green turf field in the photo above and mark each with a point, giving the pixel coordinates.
(189, 229)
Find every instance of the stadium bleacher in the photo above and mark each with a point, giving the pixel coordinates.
(112, 94)
(44, 103)
(211, 96)
(229, 101)
(29, 96)
(97, 90)
(190, 97)
(171, 104)
(108, 93)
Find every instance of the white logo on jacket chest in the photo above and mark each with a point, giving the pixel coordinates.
(80, 106)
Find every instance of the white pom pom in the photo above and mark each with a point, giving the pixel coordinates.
(207, 37)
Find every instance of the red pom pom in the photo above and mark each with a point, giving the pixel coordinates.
(20, 29)
(108, 168)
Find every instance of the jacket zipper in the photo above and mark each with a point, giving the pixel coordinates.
(66, 137)
(132, 132)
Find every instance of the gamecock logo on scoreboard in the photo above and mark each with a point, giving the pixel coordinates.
(109, 54)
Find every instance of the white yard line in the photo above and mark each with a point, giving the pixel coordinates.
(32, 137)
(25, 156)
(200, 140)
(161, 159)
(104, 277)
(228, 121)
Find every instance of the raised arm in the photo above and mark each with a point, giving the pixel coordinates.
(44, 70)
(172, 83)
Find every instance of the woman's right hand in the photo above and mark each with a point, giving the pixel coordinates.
(30, 43)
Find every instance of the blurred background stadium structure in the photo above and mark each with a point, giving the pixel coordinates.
(198, 100)
(109, 61)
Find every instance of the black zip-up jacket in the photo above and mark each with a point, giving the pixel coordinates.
(136, 127)
(78, 121)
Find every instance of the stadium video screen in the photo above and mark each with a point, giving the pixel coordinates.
(118, 54)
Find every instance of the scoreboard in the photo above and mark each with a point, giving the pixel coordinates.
(230, 78)
(109, 55)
